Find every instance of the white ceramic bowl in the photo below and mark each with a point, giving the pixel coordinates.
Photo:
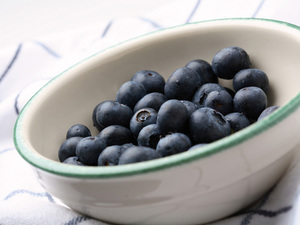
(189, 188)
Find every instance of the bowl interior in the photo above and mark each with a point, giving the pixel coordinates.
(70, 98)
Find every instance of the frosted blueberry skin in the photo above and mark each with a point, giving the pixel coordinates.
(182, 84)
(204, 70)
(78, 130)
(173, 144)
(68, 148)
(112, 113)
(267, 112)
(250, 101)
(73, 160)
(149, 136)
(220, 101)
(130, 93)
(190, 106)
(251, 77)
(116, 135)
(138, 154)
(172, 116)
(202, 92)
(207, 125)
(237, 121)
(142, 118)
(88, 150)
(151, 80)
(228, 61)
(110, 156)
(197, 146)
(152, 100)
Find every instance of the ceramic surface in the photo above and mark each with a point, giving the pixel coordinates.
(189, 188)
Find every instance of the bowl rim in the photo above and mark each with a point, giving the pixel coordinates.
(58, 168)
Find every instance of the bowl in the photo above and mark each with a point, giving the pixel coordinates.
(193, 187)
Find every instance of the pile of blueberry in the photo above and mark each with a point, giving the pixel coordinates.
(153, 118)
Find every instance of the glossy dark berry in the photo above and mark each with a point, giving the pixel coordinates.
(151, 80)
(228, 61)
(172, 116)
(220, 101)
(73, 160)
(204, 70)
(190, 106)
(78, 130)
(202, 92)
(116, 135)
(182, 84)
(197, 146)
(149, 136)
(173, 144)
(207, 125)
(88, 150)
(251, 77)
(138, 154)
(142, 118)
(152, 100)
(68, 148)
(110, 156)
(113, 113)
(94, 117)
(267, 111)
(230, 91)
(250, 101)
(237, 121)
(130, 93)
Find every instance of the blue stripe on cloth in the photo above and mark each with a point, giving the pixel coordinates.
(11, 62)
(258, 8)
(193, 11)
(7, 150)
(35, 194)
(16, 104)
(49, 50)
(106, 29)
(77, 220)
(153, 23)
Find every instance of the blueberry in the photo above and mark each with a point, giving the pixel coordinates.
(130, 93)
(207, 125)
(113, 113)
(149, 136)
(173, 144)
(116, 135)
(151, 80)
(73, 160)
(182, 84)
(197, 146)
(251, 77)
(110, 156)
(204, 70)
(94, 117)
(220, 101)
(172, 116)
(88, 150)
(152, 100)
(138, 154)
(78, 130)
(250, 101)
(237, 121)
(228, 61)
(267, 111)
(202, 92)
(142, 118)
(190, 106)
(230, 91)
(68, 148)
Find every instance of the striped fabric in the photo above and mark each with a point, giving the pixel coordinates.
(27, 65)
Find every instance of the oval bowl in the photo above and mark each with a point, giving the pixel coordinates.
(193, 187)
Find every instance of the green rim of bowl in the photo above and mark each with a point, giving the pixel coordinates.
(57, 168)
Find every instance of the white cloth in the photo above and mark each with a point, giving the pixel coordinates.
(25, 65)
